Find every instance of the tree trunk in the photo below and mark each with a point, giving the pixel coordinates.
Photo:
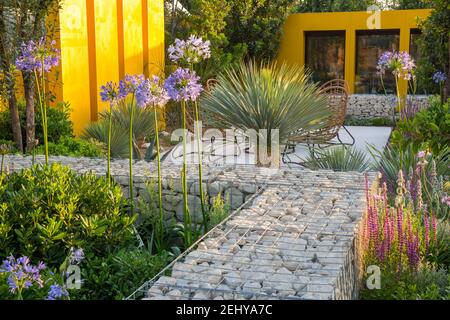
(30, 111)
(15, 120)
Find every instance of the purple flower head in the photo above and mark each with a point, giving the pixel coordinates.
(76, 255)
(421, 154)
(37, 56)
(439, 77)
(21, 274)
(151, 92)
(57, 292)
(190, 51)
(399, 63)
(109, 93)
(183, 85)
(129, 85)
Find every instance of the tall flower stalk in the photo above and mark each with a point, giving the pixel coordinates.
(187, 53)
(402, 67)
(151, 93)
(183, 86)
(109, 93)
(38, 59)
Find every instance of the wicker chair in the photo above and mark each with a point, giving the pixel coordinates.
(336, 92)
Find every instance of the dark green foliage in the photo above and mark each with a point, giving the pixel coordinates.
(119, 274)
(45, 211)
(334, 5)
(374, 122)
(424, 285)
(59, 123)
(73, 147)
(430, 128)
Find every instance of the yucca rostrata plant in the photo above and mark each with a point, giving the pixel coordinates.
(264, 98)
(396, 238)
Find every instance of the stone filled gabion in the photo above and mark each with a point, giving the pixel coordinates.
(295, 240)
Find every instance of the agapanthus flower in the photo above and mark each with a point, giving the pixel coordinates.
(76, 255)
(190, 51)
(183, 85)
(57, 292)
(37, 56)
(439, 77)
(399, 63)
(421, 154)
(109, 93)
(129, 85)
(21, 274)
(151, 92)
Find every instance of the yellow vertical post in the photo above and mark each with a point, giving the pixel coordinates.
(107, 51)
(156, 54)
(75, 61)
(132, 34)
(92, 48)
(405, 35)
(350, 58)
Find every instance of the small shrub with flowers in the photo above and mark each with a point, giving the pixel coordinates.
(403, 241)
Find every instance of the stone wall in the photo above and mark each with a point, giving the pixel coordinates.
(367, 106)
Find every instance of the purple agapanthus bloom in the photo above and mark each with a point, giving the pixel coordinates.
(399, 63)
(129, 85)
(21, 274)
(183, 85)
(76, 255)
(439, 77)
(190, 51)
(109, 93)
(151, 92)
(57, 292)
(37, 56)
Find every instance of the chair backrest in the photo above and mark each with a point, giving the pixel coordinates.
(336, 92)
(210, 84)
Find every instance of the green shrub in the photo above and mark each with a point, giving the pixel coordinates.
(429, 128)
(73, 147)
(424, 285)
(119, 274)
(375, 122)
(46, 210)
(59, 123)
(337, 159)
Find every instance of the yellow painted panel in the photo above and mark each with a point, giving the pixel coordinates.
(74, 61)
(132, 25)
(107, 52)
(156, 36)
(292, 49)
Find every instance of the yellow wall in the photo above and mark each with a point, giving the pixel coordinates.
(292, 48)
(102, 40)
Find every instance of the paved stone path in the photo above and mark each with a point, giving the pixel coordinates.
(293, 238)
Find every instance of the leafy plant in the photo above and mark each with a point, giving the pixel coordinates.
(73, 147)
(59, 123)
(118, 274)
(266, 96)
(46, 210)
(374, 122)
(429, 128)
(143, 127)
(337, 159)
(219, 210)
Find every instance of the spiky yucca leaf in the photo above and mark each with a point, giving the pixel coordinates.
(266, 96)
(143, 126)
(337, 159)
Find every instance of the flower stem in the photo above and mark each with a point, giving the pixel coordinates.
(160, 237)
(43, 112)
(108, 161)
(200, 171)
(131, 157)
(187, 218)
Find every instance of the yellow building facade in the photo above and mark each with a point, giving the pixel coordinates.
(101, 41)
(402, 23)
